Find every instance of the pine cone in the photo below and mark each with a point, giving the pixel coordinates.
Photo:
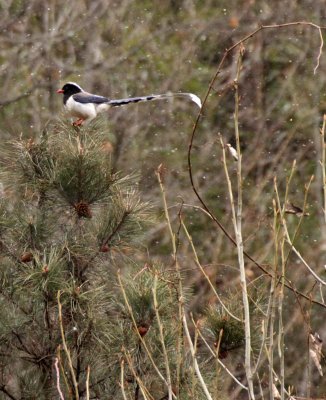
(83, 209)
(143, 329)
(104, 248)
(45, 269)
(26, 257)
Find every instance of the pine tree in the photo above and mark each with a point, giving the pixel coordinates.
(80, 316)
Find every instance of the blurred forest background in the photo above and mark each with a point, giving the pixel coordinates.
(129, 48)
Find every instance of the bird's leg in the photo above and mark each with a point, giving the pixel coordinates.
(78, 122)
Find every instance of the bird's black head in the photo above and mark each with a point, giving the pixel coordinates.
(68, 89)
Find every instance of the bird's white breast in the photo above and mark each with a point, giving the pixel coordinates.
(80, 110)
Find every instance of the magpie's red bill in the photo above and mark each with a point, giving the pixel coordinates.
(59, 91)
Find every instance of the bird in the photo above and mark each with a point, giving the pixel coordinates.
(86, 106)
(291, 208)
(233, 152)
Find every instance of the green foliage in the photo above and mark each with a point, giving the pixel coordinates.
(217, 321)
(49, 248)
(139, 293)
(108, 316)
(119, 226)
(233, 334)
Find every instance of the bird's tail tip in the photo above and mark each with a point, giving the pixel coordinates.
(195, 99)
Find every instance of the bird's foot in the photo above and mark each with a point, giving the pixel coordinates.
(78, 122)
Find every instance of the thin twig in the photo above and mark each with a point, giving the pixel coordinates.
(122, 383)
(17, 98)
(270, 348)
(320, 280)
(180, 296)
(296, 231)
(87, 381)
(5, 391)
(143, 389)
(217, 352)
(323, 162)
(205, 274)
(287, 235)
(215, 355)
(192, 351)
(57, 371)
(237, 225)
(320, 50)
(63, 372)
(72, 372)
(165, 353)
(280, 335)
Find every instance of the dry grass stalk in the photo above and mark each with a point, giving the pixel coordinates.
(159, 175)
(70, 364)
(160, 326)
(57, 371)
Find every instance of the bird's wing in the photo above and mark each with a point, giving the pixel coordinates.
(85, 98)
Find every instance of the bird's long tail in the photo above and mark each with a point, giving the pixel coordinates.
(123, 102)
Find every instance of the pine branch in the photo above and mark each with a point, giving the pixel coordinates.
(117, 228)
(7, 393)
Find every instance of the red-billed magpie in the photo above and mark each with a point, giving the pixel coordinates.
(85, 106)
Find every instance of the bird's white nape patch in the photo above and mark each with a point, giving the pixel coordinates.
(195, 99)
(75, 84)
